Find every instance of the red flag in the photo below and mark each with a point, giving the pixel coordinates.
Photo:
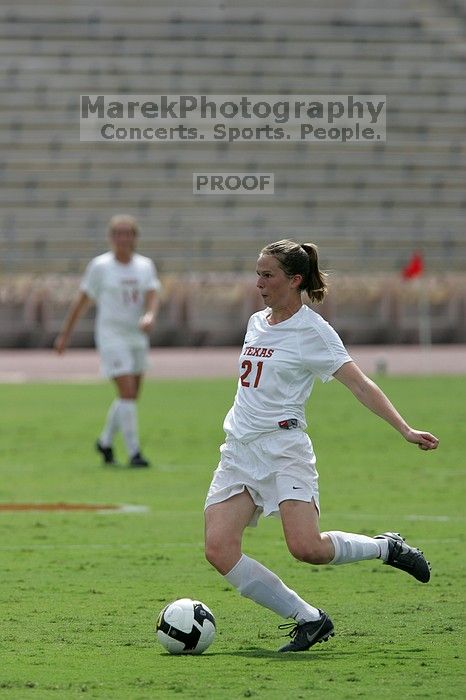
(414, 268)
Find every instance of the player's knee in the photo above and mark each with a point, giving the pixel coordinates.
(128, 394)
(222, 555)
(127, 387)
(213, 551)
(308, 552)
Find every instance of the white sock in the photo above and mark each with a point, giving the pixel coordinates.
(350, 547)
(262, 586)
(128, 422)
(111, 425)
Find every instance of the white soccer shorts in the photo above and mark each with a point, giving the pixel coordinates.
(119, 360)
(275, 467)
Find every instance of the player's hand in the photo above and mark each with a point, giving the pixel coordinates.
(146, 322)
(425, 441)
(60, 344)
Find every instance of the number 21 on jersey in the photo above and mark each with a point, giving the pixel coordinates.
(248, 367)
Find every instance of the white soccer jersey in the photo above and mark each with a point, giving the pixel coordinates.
(278, 366)
(119, 292)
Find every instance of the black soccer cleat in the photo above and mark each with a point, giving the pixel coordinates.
(406, 558)
(305, 634)
(106, 452)
(137, 460)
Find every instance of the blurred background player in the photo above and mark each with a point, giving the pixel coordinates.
(267, 462)
(124, 286)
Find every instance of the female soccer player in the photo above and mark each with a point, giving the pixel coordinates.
(267, 462)
(124, 286)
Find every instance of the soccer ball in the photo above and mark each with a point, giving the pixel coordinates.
(185, 627)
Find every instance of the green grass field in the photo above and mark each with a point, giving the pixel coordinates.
(80, 591)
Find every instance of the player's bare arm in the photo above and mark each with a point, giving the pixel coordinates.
(151, 306)
(372, 396)
(77, 308)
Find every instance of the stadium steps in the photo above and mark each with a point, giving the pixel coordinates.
(219, 217)
(292, 193)
(343, 179)
(194, 66)
(83, 52)
(406, 191)
(342, 253)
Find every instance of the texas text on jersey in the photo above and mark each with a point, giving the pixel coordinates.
(278, 366)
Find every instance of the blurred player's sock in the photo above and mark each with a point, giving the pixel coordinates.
(111, 425)
(350, 547)
(128, 422)
(262, 586)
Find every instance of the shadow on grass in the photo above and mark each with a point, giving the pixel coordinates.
(271, 654)
(318, 654)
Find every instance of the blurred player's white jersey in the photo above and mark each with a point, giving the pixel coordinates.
(119, 292)
(278, 366)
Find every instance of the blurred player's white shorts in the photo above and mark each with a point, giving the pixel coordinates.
(118, 360)
(274, 467)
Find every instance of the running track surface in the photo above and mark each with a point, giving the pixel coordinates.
(18, 366)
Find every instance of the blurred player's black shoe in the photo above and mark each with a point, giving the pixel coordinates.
(137, 460)
(106, 452)
(305, 634)
(406, 558)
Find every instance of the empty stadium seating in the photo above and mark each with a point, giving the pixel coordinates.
(366, 206)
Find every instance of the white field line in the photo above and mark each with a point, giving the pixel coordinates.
(411, 517)
(124, 509)
(94, 545)
(129, 508)
(334, 516)
(27, 548)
